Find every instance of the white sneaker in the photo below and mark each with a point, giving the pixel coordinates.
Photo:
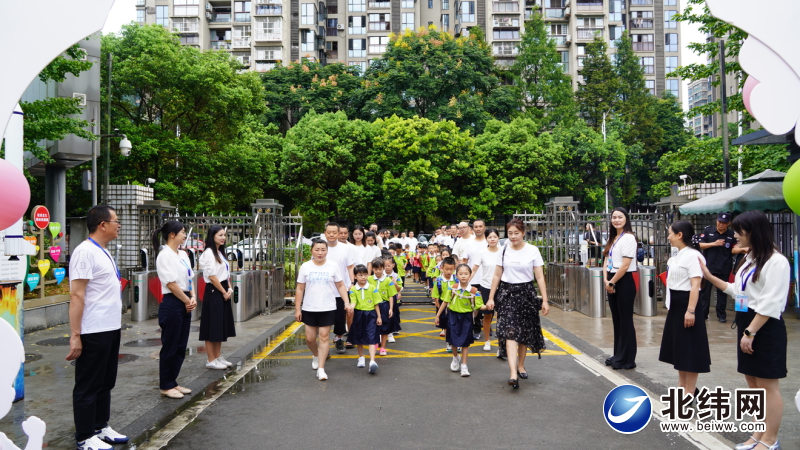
(449, 348)
(321, 374)
(215, 364)
(373, 367)
(109, 436)
(391, 339)
(225, 361)
(93, 443)
(487, 347)
(361, 362)
(315, 363)
(454, 364)
(464, 370)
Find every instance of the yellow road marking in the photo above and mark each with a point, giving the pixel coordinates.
(409, 355)
(567, 348)
(289, 332)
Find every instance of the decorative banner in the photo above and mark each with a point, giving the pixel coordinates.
(791, 187)
(33, 280)
(12, 206)
(44, 266)
(55, 253)
(31, 239)
(40, 216)
(37, 249)
(59, 273)
(55, 228)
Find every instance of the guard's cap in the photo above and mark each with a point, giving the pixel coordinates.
(724, 217)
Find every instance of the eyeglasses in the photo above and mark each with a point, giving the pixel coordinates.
(113, 221)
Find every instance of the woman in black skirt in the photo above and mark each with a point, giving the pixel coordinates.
(760, 290)
(684, 343)
(216, 322)
(516, 300)
(618, 270)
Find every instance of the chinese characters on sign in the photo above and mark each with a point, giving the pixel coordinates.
(713, 408)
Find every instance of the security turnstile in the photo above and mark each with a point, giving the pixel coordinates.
(246, 298)
(645, 302)
(144, 304)
(199, 285)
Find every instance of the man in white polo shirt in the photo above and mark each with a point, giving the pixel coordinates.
(461, 247)
(345, 259)
(95, 319)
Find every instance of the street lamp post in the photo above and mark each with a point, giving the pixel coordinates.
(124, 149)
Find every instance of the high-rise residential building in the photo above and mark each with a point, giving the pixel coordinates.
(262, 32)
(699, 94)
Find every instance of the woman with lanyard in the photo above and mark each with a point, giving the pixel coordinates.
(760, 290)
(517, 304)
(216, 322)
(620, 264)
(175, 312)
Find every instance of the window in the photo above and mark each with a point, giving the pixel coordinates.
(468, 11)
(671, 42)
(377, 44)
(241, 36)
(581, 55)
(407, 4)
(641, 19)
(673, 86)
(643, 42)
(332, 26)
(332, 50)
(307, 38)
(380, 4)
(430, 4)
(185, 24)
(356, 5)
(615, 34)
(185, 8)
(668, 19)
(504, 48)
(241, 11)
(615, 11)
(140, 15)
(648, 64)
(670, 63)
(380, 22)
(504, 20)
(651, 86)
(357, 25)
(242, 57)
(357, 48)
(362, 65)
(269, 28)
(505, 6)
(670, 2)
(407, 21)
(505, 35)
(190, 39)
(269, 53)
(308, 14)
(332, 9)
(590, 21)
(564, 61)
(162, 16)
(445, 4)
(558, 32)
(445, 22)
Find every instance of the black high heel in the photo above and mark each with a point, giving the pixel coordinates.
(513, 383)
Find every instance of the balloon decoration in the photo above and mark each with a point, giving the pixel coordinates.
(55, 253)
(747, 89)
(59, 273)
(55, 228)
(791, 188)
(16, 194)
(44, 266)
(33, 280)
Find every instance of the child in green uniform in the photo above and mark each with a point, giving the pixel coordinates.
(441, 290)
(400, 260)
(385, 286)
(462, 302)
(389, 271)
(366, 317)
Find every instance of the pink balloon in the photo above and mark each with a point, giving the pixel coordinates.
(749, 84)
(16, 194)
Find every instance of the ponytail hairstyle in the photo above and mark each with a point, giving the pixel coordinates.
(171, 227)
(612, 232)
(761, 236)
(212, 232)
(687, 230)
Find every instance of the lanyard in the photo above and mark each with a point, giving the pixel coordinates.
(746, 278)
(611, 250)
(119, 277)
(188, 272)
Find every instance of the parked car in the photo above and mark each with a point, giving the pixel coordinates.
(194, 244)
(248, 247)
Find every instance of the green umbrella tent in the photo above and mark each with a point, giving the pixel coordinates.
(762, 192)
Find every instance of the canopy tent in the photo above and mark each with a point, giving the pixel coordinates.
(763, 192)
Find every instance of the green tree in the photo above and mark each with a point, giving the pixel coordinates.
(292, 90)
(545, 89)
(434, 75)
(599, 92)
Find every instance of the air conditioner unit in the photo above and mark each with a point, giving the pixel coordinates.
(567, 11)
(82, 98)
(566, 3)
(150, 10)
(569, 38)
(340, 26)
(209, 7)
(208, 15)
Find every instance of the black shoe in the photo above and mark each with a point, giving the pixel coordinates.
(513, 383)
(608, 361)
(523, 375)
(501, 354)
(723, 320)
(339, 346)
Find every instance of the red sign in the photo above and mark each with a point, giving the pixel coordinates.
(40, 216)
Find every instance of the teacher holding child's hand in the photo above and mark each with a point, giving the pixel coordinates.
(760, 290)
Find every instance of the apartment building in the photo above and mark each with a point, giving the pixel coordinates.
(699, 93)
(261, 32)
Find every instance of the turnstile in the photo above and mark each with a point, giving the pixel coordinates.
(247, 301)
(645, 302)
(199, 284)
(144, 303)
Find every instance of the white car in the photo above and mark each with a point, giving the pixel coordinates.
(248, 247)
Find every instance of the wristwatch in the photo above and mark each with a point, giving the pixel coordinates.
(748, 333)
(611, 284)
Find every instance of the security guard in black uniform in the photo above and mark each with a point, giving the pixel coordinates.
(718, 244)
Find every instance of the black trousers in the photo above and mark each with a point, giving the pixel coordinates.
(722, 297)
(95, 377)
(340, 318)
(174, 322)
(621, 305)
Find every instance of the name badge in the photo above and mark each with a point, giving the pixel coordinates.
(610, 265)
(742, 303)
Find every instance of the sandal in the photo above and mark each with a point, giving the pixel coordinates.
(172, 393)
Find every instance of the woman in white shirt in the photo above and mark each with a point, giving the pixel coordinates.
(518, 306)
(362, 252)
(760, 290)
(373, 251)
(175, 312)
(318, 283)
(486, 262)
(618, 270)
(684, 343)
(216, 322)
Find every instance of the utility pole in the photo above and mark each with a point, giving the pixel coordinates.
(94, 156)
(108, 129)
(604, 141)
(724, 102)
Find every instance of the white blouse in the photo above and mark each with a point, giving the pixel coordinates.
(518, 264)
(210, 266)
(625, 247)
(681, 268)
(174, 267)
(767, 296)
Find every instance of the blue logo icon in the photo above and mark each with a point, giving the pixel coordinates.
(627, 409)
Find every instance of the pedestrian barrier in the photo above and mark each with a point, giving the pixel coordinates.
(645, 302)
(199, 286)
(144, 304)
(556, 285)
(246, 299)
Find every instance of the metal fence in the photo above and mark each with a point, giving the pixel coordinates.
(782, 225)
(292, 251)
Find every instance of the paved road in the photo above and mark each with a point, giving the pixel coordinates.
(415, 401)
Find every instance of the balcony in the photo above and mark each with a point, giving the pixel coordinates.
(220, 45)
(185, 27)
(380, 26)
(268, 36)
(380, 5)
(591, 7)
(643, 46)
(268, 2)
(332, 54)
(559, 39)
(269, 10)
(241, 17)
(564, 67)
(221, 18)
(140, 2)
(641, 2)
(588, 34)
(640, 24)
(506, 22)
(555, 13)
(505, 7)
(241, 42)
